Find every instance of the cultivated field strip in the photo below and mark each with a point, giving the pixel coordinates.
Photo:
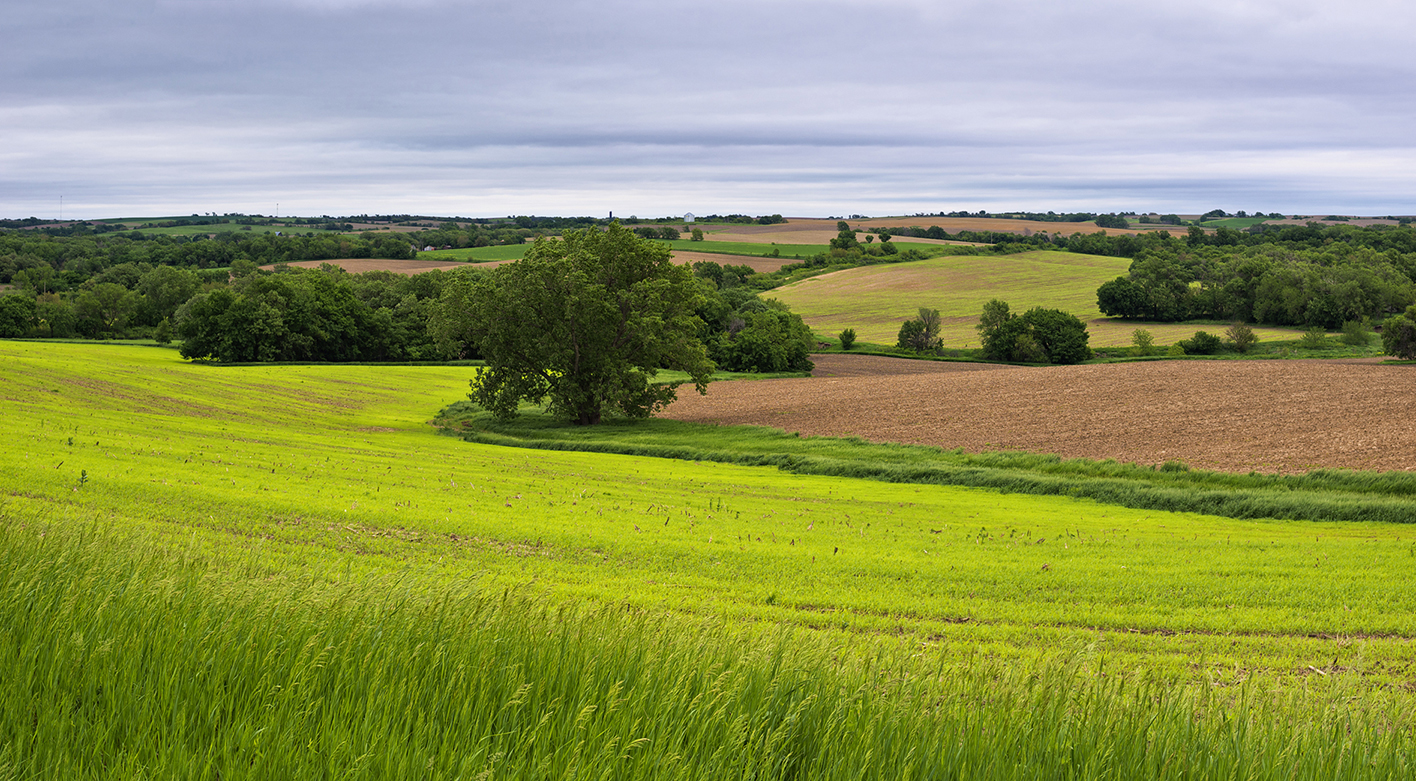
(1279, 416)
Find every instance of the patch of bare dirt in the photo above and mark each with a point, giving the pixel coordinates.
(360, 265)
(843, 365)
(760, 265)
(1238, 416)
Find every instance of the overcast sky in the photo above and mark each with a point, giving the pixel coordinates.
(799, 107)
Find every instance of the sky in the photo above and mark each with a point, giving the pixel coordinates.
(808, 108)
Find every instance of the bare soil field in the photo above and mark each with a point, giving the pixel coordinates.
(1284, 416)
(760, 265)
(360, 265)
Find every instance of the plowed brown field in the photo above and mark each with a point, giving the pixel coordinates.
(1268, 416)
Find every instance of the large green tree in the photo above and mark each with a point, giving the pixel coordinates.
(583, 325)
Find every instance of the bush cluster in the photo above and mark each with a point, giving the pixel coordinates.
(1037, 336)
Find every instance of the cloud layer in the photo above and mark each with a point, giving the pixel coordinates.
(792, 106)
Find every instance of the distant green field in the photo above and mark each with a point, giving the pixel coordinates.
(284, 571)
(747, 248)
(478, 254)
(202, 230)
(1238, 223)
(875, 300)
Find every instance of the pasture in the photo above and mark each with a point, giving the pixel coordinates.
(260, 570)
(875, 300)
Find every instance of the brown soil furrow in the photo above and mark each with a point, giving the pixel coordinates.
(1268, 416)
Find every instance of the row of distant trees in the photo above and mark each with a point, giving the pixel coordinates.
(1266, 284)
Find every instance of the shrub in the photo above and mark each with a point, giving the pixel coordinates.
(848, 338)
(1241, 337)
(1202, 343)
(1038, 336)
(920, 334)
(1356, 333)
(1143, 341)
(1314, 338)
(1175, 351)
(1399, 335)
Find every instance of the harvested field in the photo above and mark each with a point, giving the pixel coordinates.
(1236, 416)
(760, 265)
(838, 365)
(360, 265)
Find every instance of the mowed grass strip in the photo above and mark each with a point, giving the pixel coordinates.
(875, 300)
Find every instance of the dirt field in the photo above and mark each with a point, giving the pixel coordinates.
(1268, 416)
(360, 265)
(760, 265)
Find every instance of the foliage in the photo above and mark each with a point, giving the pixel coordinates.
(1399, 335)
(920, 334)
(584, 324)
(312, 315)
(1142, 340)
(769, 341)
(1357, 333)
(1313, 339)
(1241, 337)
(17, 314)
(1037, 336)
(1111, 221)
(848, 338)
(1303, 277)
(1202, 343)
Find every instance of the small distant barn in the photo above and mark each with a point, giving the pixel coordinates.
(688, 217)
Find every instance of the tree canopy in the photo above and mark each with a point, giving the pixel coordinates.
(583, 325)
(1037, 336)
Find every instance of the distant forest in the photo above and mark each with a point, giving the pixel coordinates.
(96, 280)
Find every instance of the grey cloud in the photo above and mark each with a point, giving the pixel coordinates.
(914, 102)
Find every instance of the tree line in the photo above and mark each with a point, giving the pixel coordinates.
(1270, 284)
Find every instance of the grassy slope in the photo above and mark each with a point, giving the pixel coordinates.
(330, 477)
(875, 300)
(478, 254)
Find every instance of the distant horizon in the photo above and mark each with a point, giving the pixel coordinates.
(1002, 214)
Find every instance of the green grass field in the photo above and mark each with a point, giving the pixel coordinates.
(801, 251)
(478, 254)
(203, 230)
(286, 571)
(1238, 223)
(875, 300)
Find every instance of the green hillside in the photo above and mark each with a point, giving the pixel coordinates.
(875, 300)
(285, 571)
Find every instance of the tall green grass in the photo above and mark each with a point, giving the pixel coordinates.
(286, 572)
(1325, 494)
(127, 658)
